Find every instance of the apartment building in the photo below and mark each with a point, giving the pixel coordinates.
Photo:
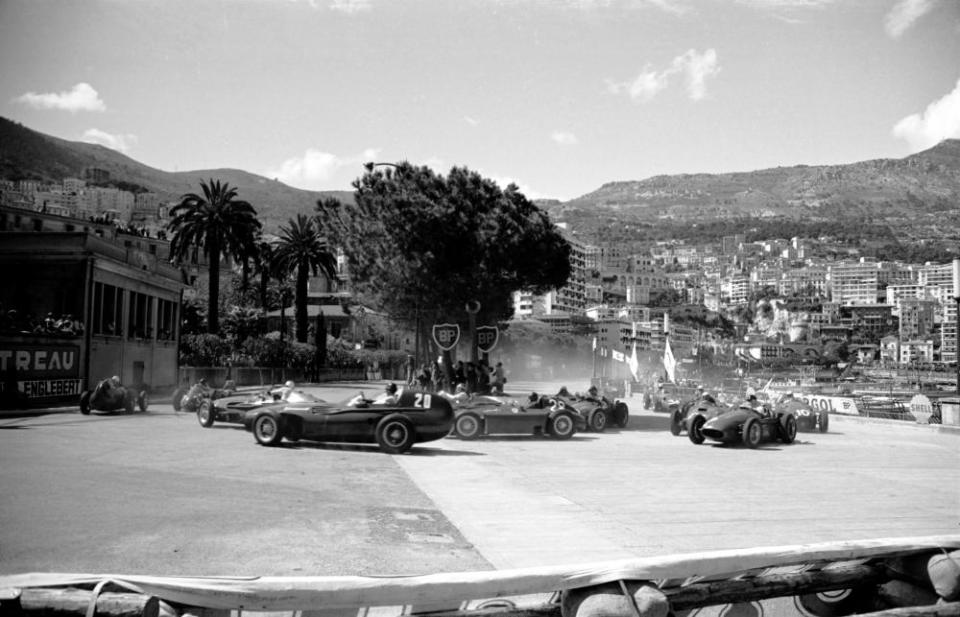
(853, 282)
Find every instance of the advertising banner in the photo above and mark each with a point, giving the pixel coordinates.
(487, 337)
(446, 335)
(41, 371)
(832, 404)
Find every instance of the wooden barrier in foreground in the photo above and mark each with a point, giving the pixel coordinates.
(901, 577)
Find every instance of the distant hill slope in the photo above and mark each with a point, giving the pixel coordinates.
(925, 182)
(28, 154)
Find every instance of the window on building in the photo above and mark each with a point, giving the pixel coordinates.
(140, 316)
(107, 310)
(166, 320)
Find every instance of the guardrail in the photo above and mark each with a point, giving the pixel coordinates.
(891, 577)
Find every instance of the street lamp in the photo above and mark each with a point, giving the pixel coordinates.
(956, 320)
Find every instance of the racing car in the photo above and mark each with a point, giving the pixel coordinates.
(694, 414)
(748, 425)
(108, 395)
(190, 398)
(414, 417)
(490, 415)
(809, 418)
(599, 411)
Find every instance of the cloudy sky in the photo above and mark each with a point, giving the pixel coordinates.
(559, 96)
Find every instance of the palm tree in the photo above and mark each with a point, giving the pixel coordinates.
(304, 250)
(220, 224)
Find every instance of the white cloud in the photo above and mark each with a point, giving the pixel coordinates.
(693, 66)
(312, 171)
(471, 121)
(564, 138)
(81, 98)
(904, 14)
(120, 143)
(351, 7)
(939, 121)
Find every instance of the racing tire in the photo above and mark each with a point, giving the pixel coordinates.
(752, 433)
(824, 422)
(85, 403)
(205, 413)
(468, 426)
(395, 434)
(129, 404)
(837, 603)
(142, 401)
(266, 429)
(788, 430)
(694, 431)
(598, 421)
(177, 401)
(676, 424)
(621, 415)
(562, 426)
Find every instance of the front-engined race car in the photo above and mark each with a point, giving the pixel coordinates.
(415, 417)
(491, 415)
(107, 396)
(599, 411)
(809, 418)
(694, 414)
(747, 425)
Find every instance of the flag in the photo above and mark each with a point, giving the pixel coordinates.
(634, 364)
(618, 356)
(669, 362)
(594, 343)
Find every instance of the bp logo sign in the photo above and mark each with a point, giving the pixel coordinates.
(446, 335)
(487, 337)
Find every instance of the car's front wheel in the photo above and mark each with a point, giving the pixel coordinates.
(598, 421)
(621, 414)
(562, 426)
(395, 434)
(752, 433)
(789, 430)
(85, 402)
(694, 431)
(467, 426)
(178, 395)
(824, 422)
(266, 430)
(676, 423)
(142, 401)
(205, 413)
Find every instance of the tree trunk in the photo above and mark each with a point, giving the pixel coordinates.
(213, 314)
(320, 340)
(301, 302)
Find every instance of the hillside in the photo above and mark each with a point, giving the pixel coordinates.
(923, 183)
(27, 154)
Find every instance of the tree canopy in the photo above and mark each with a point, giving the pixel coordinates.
(418, 241)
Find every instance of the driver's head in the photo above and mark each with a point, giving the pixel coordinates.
(534, 397)
(592, 390)
(115, 379)
(391, 388)
(203, 381)
(289, 384)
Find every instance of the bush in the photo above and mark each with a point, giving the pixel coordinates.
(204, 350)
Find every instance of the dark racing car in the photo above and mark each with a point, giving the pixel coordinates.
(809, 418)
(695, 413)
(109, 395)
(748, 425)
(599, 411)
(394, 424)
(491, 415)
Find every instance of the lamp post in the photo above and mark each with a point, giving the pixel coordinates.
(956, 320)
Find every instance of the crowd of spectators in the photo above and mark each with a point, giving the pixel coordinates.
(14, 322)
(470, 377)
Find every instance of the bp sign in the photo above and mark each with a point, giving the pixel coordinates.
(487, 337)
(446, 335)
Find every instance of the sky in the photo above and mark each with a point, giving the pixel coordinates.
(557, 96)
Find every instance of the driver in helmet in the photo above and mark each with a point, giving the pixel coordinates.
(390, 395)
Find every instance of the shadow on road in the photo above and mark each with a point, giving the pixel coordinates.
(417, 450)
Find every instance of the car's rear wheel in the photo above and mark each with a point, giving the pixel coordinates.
(694, 431)
(751, 433)
(621, 414)
(129, 404)
(789, 430)
(178, 398)
(467, 426)
(676, 423)
(205, 413)
(85, 402)
(837, 603)
(824, 422)
(142, 401)
(598, 421)
(562, 426)
(266, 429)
(395, 434)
